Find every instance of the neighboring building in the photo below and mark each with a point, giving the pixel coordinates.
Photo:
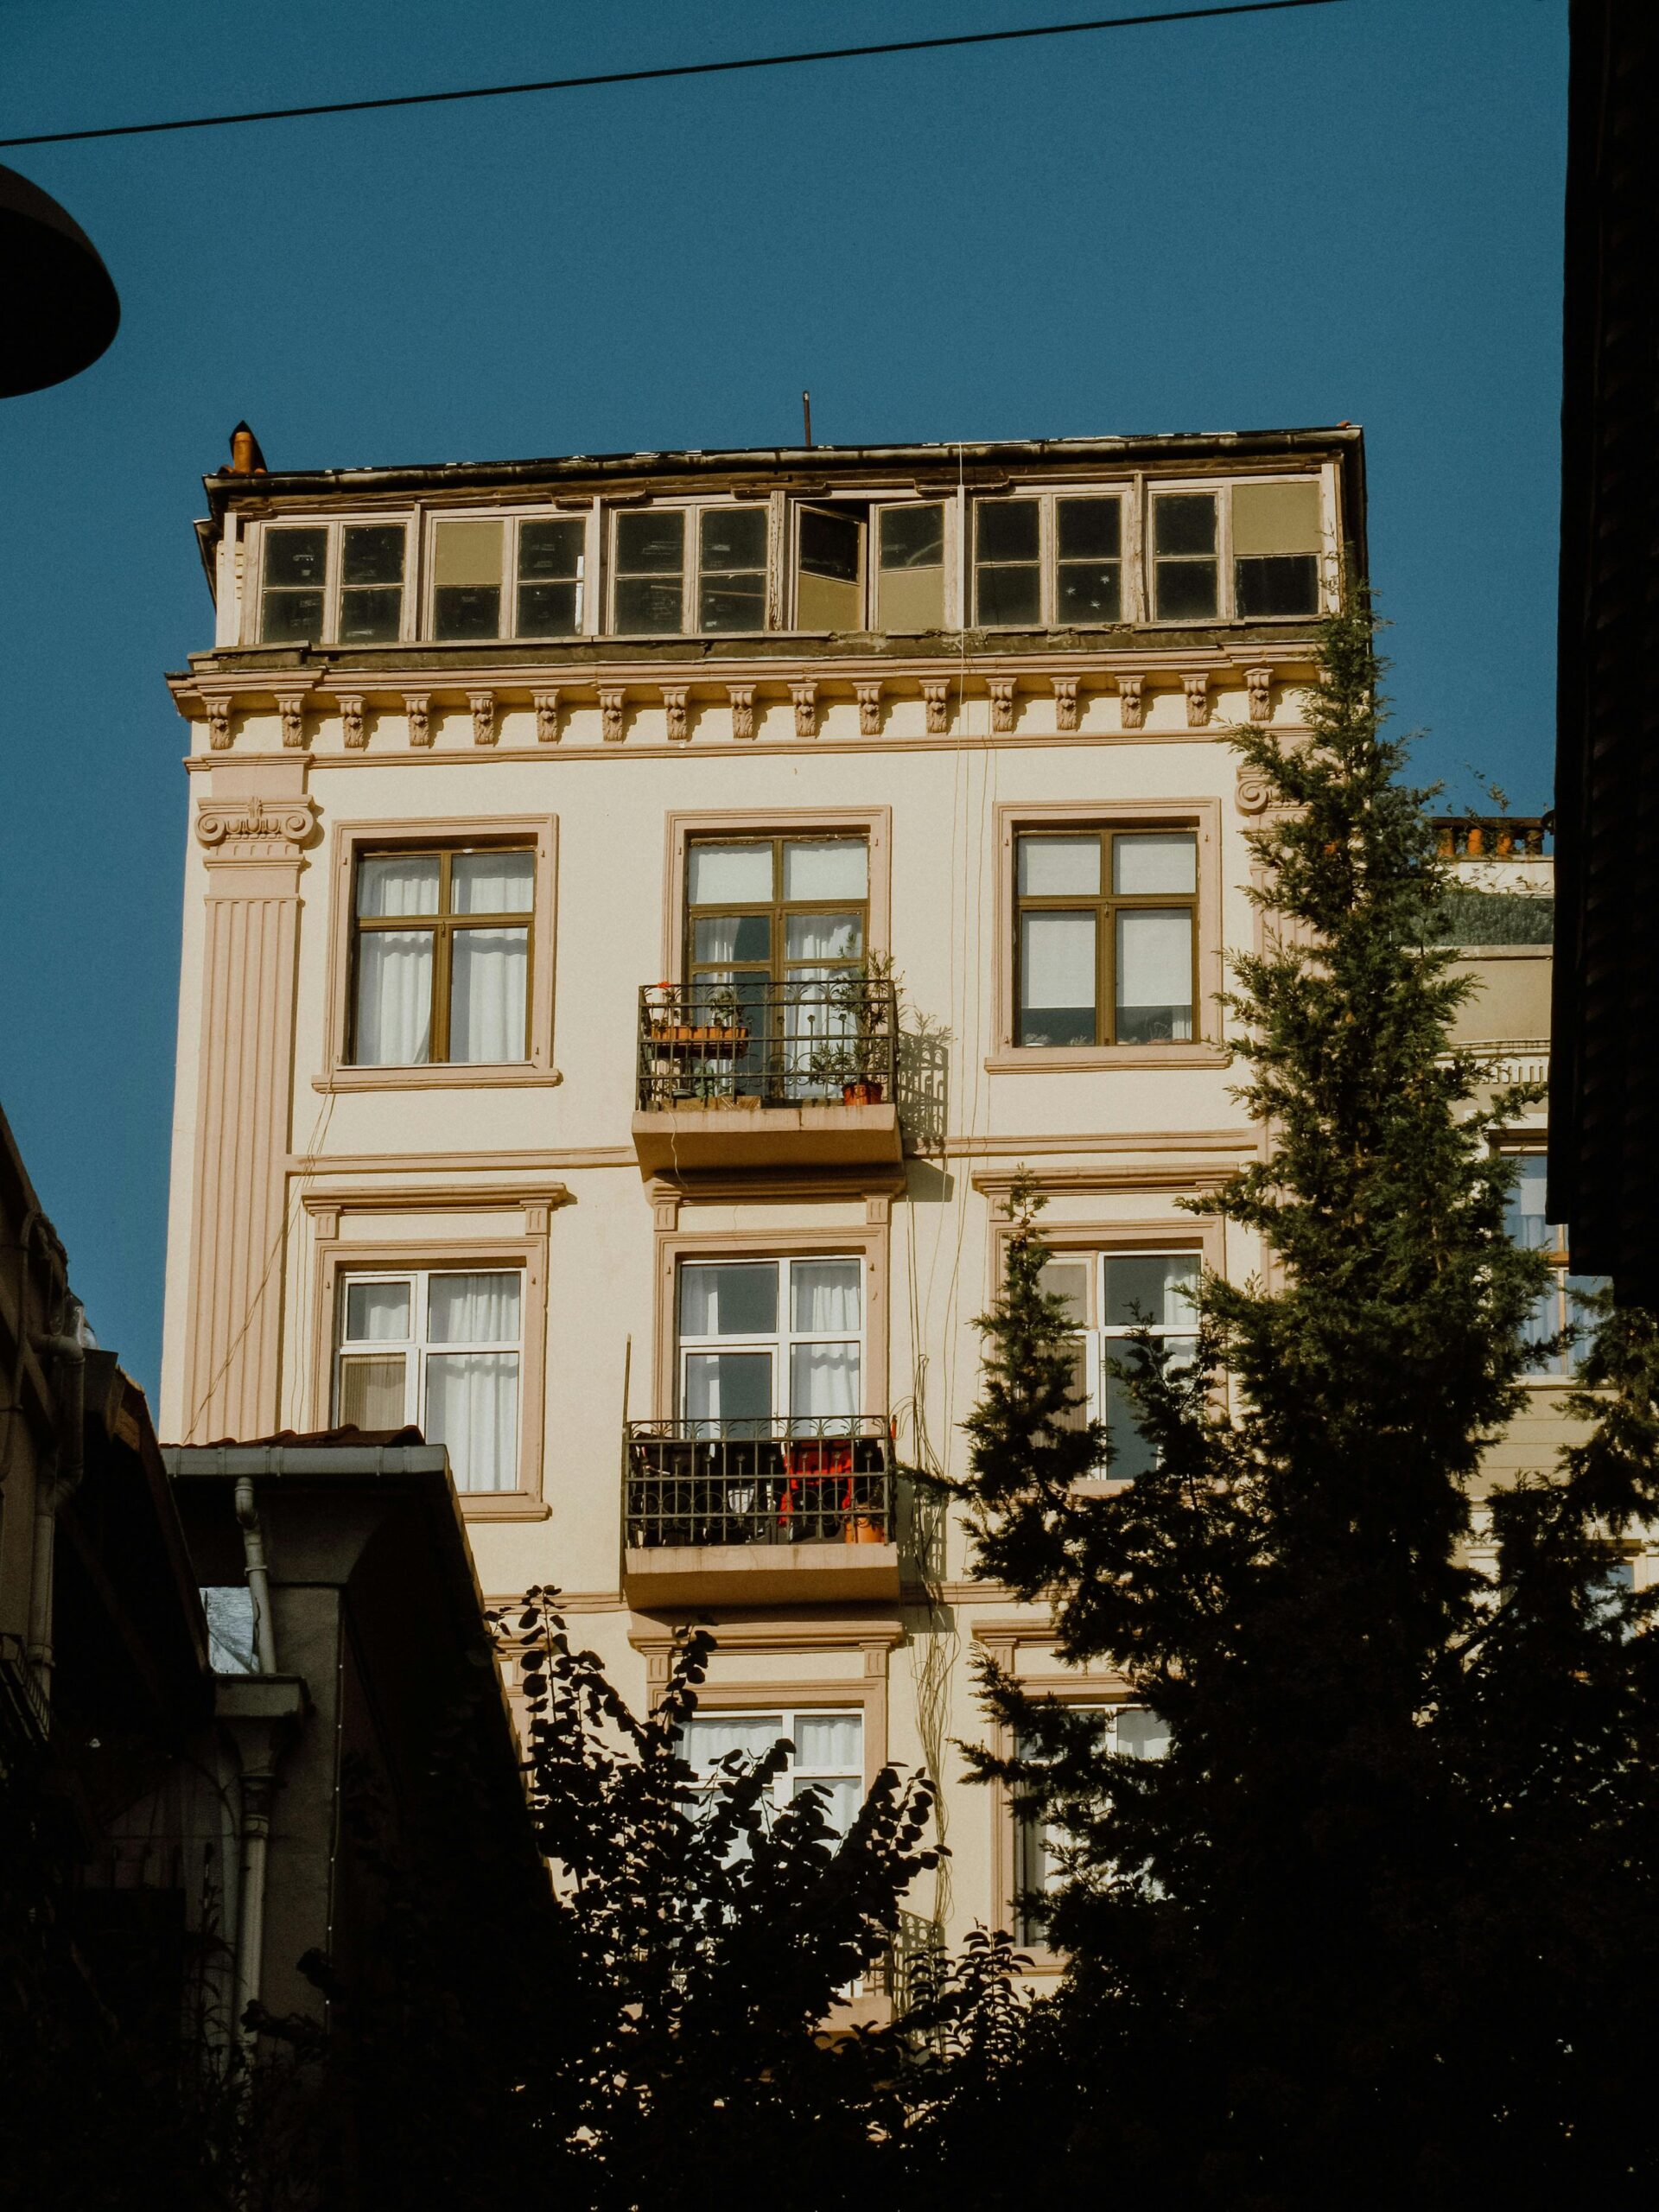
(642, 915)
(176, 1775)
(1607, 735)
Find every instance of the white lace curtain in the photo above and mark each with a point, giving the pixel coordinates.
(471, 1395)
(489, 967)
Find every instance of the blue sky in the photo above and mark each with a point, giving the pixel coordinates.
(1350, 213)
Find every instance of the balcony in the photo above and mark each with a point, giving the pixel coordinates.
(759, 1512)
(752, 1073)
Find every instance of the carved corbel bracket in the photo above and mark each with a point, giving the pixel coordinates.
(547, 718)
(936, 691)
(674, 699)
(1260, 684)
(483, 706)
(1197, 687)
(1002, 691)
(1065, 702)
(417, 711)
(1129, 689)
(220, 706)
(803, 691)
(742, 698)
(611, 701)
(290, 706)
(869, 708)
(353, 727)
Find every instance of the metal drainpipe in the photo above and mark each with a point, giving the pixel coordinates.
(257, 1780)
(51, 1490)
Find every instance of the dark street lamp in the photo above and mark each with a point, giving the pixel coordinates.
(58, 309)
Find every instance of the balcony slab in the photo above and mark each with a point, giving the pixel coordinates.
(693, 1136)
(758, 1574)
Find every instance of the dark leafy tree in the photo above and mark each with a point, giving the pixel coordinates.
(646, 2029)
(1382, 1925)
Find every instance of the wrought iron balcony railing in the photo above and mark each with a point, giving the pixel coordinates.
(693, 1482)
(831, 1039)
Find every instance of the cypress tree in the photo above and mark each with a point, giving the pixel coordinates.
(1381, 1926)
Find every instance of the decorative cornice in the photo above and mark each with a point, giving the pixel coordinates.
(219, 706)
(1129, 699)
(255, 828)
(483, 708)
(547, 717)
(674, 699)
(353, 727)
(417, 711)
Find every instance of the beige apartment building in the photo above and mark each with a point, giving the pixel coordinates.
(642, 913)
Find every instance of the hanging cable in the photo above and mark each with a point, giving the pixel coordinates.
(668, 70)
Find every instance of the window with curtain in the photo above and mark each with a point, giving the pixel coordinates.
(1108, 1296)
(1106, 937)
(441, 1348)
(826, 1753)
(441, 956)
(1134, 1731)
(1555, 1307)
(762, 912)
(766, 1344)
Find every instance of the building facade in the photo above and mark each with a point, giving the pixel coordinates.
(642, 914)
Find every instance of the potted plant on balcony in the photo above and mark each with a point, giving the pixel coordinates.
(849, 1058)
(714, 1021)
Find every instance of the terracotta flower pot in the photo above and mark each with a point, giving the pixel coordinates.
(862, 1530)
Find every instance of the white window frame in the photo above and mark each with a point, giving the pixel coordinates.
(512, 518)
(881, 502)
(1032, 1837)
(1046, 499)
(691, 570)
(1095, 1334)
(417, 1348)
(254, 627)
(793, 1777)
(1223, 489)
(1561, 1369)
(785, 1336)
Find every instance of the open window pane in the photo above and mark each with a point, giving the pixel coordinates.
(489, 979)
(394, 998)
(1059, 867)
(1057, 979)
(467, 559)
(828, 589)
(472, 1408)
(1155, 975)
(729, 875)
(1165, 862)
(373, 1391)
(911, 568)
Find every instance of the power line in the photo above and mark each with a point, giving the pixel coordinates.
(678, 69)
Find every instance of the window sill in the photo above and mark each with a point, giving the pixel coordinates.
(502, 1505)
(448, 1075)
(1039, 1060)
